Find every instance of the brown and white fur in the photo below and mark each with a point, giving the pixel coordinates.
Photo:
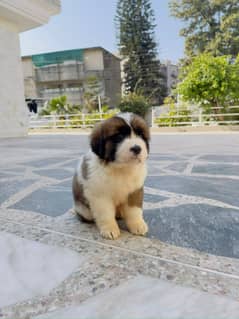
(109, 180)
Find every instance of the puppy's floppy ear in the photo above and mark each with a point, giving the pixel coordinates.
(97, 141)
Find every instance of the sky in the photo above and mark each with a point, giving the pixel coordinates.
(89, 23)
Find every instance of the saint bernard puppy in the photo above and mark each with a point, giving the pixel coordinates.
(109, 180)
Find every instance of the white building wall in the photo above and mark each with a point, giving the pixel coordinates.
(29, 78)
(17, 16)
(13, 113)
(93, 60)
(27, 66)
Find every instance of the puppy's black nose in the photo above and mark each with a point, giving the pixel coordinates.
(136, 149)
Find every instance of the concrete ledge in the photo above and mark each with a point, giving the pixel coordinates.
(156, 130)
(59, 131)
(208, 129)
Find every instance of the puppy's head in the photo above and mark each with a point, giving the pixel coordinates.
(121, 141)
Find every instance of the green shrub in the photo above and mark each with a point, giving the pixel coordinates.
(59, 106)
(134, 103)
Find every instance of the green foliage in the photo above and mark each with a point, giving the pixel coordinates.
(210, 81)
(59, 105)
(135, 24)
(134, 103)
(169, 100)
(211, 25)
(105, 108)
(90, 119)
(170, 118)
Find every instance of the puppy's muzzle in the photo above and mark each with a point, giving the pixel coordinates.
(136, 149)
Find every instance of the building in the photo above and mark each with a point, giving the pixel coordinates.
(49, 75)
(17, 16)
(170, 73)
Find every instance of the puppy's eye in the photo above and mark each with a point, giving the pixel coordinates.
(139, 132)
(118, 138)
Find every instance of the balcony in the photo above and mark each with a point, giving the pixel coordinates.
(64, 73)
(60, 72)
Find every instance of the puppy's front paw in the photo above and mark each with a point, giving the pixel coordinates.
(138, 227)
(110, 231)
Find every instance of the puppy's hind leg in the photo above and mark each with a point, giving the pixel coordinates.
(84, 213)
(81, 204)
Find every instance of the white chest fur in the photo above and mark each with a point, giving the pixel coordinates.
(113, 182)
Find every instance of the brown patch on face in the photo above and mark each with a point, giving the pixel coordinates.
(85, 168)
(136, 198)
(107, 135)
(141, 129)
(78, 192)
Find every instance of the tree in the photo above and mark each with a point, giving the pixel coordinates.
(211, 26)
(135, 23)
(211, 81)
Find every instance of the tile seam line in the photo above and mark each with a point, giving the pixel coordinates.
(215, 272)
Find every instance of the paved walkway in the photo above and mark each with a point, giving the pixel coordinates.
(53, 266)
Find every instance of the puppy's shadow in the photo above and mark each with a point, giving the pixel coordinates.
(119, 220)
(84, 220)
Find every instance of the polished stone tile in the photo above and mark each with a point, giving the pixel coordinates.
(10, 188)
(225, 190)
(177, 167)
(54, 173)
(201, 226)
(52, 200)
(69, 224)
(164, 157)
(217, 169)
(66, 185)
(29, 269)
(153, 198)
(42, 163)
(154, 169)
(72, 164)
(206, 228)
(221, 158)
(144, 297)
(16, 170)
(4, 175)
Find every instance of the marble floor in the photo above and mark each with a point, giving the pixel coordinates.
(54, 266)
(146, 297)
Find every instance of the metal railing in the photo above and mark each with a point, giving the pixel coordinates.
(188, 118)
(66, 121)
(197, 117)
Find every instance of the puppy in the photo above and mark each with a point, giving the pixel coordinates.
(109, 180)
